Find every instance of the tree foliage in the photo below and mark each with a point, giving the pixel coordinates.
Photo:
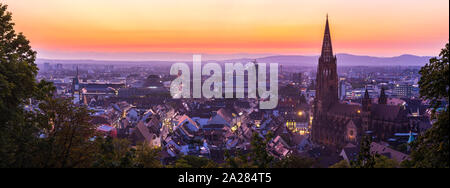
(434, 82)
(68, 136)
(259, 155)
(237, 160)
(431, 150)
(147, 157)
(365, 158)
(384, 162)
(189, 161)
(113, 153)
(18, 86)
(294, 161)
(37, 130)
(341, 164)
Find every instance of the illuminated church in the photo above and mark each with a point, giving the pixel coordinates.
(337, 124)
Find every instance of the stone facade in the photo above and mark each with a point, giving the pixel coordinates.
(337, 124)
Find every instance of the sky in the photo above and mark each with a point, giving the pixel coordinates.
(151, 29)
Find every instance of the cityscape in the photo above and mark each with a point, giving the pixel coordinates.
(333, 110)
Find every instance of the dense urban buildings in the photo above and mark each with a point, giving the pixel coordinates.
(339, 123)
(323, 112)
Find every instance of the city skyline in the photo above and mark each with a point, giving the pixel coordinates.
(254, 84)
(76, 30)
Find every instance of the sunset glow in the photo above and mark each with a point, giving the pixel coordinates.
(382, 28)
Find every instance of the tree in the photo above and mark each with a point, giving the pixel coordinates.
(148, 157)
(384, 162)
(434, 82)
(237, 161)
(37, 130)
(365, 159)
(294, 161)
(18, 127)
(341, 164)
(69, 138)
(431, 150)
(189, 161)
(17, 68)
(259, 155)
(113, 153)
(257, 158)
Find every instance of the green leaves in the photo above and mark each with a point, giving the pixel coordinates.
(431, 149)
(189, 161)
(341, 164)
(434, 83)
(365, 159)
(18, 128)
(292, 161)
(259, 154)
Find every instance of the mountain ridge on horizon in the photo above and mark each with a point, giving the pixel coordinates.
(344, 59)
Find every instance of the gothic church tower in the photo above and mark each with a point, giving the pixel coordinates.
(327, 78)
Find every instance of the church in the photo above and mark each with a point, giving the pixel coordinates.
(336, 124)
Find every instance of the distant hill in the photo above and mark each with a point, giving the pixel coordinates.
(350, 60)
(403, 60)
(342, 60)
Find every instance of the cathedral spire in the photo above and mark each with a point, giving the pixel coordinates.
(327, 77)
(326, 82)
(327, 49)
(382, 99)
(366, 101)
(366, 94)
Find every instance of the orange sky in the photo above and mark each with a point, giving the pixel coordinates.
(382, 27)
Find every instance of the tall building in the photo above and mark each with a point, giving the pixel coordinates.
(403, 90)
(336, 124)
(76, 88)
(327, 78)
(47, 67)
(342, 89)
(383, 98)
(297, 78)
(59, 66)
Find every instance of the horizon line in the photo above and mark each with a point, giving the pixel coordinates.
(219, 59)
